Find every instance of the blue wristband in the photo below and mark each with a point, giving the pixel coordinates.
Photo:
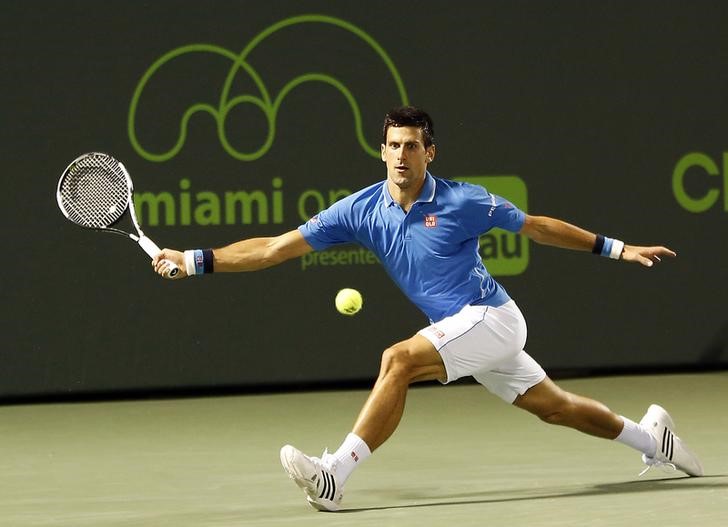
(608, 247)
(199, 261)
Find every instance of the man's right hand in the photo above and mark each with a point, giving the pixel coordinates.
(161, 267)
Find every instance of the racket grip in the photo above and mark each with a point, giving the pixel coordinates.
(152, 249)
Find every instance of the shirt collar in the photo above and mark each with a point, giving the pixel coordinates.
(427, 194)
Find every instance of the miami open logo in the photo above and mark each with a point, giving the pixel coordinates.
(262, 98)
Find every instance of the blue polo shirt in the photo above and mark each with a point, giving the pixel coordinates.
(431, 252)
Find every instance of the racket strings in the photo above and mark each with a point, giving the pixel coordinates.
(94, 192)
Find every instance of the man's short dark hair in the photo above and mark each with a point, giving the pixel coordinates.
(410, 116)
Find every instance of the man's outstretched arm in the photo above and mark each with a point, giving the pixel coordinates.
(558, 233)
(245, 255)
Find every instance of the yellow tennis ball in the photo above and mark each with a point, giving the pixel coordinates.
(348, 301)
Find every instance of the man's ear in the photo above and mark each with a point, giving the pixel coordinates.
(431, 151)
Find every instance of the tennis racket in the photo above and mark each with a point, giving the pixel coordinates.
(95, 191)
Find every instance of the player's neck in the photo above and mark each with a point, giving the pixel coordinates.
(405, 197)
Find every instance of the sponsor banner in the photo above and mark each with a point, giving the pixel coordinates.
(241, 120)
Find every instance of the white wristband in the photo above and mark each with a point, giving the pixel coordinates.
(190, 263)
(617, 248)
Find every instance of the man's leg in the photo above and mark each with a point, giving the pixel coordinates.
(654, 435)
(406, 362)
(412, 360)
(556, 406)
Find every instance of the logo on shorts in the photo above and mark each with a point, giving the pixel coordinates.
(438, 333)
(430, 221)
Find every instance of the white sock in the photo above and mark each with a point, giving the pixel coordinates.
(351, 452)
(635, 435)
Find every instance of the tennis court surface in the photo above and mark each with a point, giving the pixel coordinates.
(460, 457)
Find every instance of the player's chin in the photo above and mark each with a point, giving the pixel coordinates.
(401, 181)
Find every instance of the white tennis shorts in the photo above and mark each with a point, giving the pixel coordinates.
(487, 343)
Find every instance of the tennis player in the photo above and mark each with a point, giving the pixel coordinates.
(425, 232)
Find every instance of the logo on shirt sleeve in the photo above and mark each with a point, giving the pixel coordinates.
(504, 253)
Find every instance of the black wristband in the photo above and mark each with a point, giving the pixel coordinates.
(207, 261)
(598, 244)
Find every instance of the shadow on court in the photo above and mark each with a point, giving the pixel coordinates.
(681, 483)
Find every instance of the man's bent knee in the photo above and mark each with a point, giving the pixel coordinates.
(414, 360)
(395, 358)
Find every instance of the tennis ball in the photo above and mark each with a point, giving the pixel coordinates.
(348, 301)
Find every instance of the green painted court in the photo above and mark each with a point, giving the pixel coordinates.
(460, 457)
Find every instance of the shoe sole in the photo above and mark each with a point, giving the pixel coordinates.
(318, 506)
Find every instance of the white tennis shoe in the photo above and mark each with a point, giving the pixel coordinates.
(671, 450)
(317, 477)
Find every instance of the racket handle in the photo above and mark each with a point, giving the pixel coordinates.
(153, 250)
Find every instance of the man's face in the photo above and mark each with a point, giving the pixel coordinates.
(406, 156)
